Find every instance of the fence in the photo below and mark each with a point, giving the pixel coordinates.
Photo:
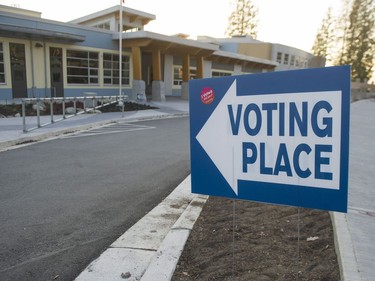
(89, 105)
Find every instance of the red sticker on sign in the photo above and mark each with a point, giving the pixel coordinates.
(207, 95)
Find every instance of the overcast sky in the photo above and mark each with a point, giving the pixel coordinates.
(289, 22)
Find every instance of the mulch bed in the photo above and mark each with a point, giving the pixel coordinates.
(265, 244)
(13, 109)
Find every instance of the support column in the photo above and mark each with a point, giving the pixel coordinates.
(207, 69)
(156, 65)
(185, 77)
(186, 68)
(137, 63)
(139, 86)
(158, 87)
(237, 69)
(200, 67)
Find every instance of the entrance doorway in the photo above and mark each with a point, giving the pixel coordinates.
(18, 70)
(56, 72)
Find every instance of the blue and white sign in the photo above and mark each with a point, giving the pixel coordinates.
(280, 137)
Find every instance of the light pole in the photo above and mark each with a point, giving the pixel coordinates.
(121, 100)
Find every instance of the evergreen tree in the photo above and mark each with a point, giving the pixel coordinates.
(342, 25)
(243, 20)
(359, 44)
(325, 37)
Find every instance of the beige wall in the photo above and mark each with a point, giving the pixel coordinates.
(20, 11)
(261, 50)
(317, 62)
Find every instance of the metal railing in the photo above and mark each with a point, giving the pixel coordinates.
(87, 101)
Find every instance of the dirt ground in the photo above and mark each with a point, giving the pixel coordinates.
(265, 244)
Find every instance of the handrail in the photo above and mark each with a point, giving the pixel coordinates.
(63, 100)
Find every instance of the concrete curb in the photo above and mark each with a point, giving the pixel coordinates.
(48, 135)
(164, 263)
(344, 248)
(153, 245)
(43, 136)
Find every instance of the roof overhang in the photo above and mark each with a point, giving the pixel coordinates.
(14, 31)
(131, 17)
(233, 58)
(172, 45)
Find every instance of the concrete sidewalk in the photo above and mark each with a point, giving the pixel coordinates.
(11, 129)
(151, 248)
(355, 231)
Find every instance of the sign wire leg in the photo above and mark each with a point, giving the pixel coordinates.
(298, 240)
(234, 223)
(233, 239)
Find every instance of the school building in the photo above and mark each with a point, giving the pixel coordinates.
(46, 58)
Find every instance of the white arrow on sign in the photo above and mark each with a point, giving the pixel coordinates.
(226, 152)
(218, 141)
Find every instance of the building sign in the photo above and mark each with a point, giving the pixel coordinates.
(280, 137)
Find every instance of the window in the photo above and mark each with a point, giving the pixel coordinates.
(292, 60)
(104, 25)
(220, 74)
(2, 65)
(82, 67)
(297, 62)
(111, 68)
(278, 58)
(193, 73)
(177, 75)
(286, 58)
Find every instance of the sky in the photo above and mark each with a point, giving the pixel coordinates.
(289, 22)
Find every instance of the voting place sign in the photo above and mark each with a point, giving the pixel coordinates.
(279, 137)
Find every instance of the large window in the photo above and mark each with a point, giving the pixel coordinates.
(292, 59)
(177, 74)
(286, 58)
(278, 57)
(105, 25)
(220, 73)
(111, 68)
(2, 66)
(82, 67)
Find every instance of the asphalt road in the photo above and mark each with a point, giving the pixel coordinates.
(62, 202)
